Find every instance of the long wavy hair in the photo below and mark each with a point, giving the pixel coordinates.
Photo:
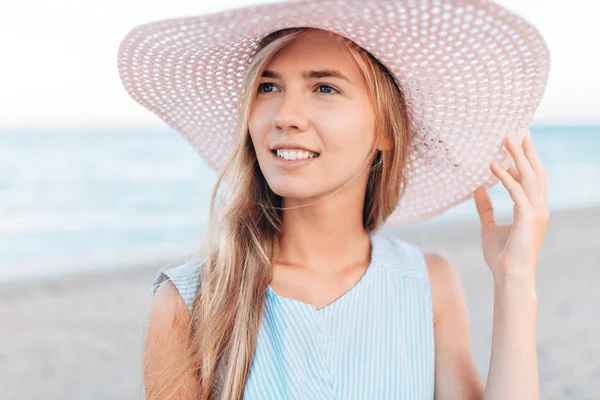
(241, 239)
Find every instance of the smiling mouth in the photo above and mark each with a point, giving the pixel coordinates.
(294, 155)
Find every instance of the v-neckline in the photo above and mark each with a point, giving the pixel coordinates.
(341, 299)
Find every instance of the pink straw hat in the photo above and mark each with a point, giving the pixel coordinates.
(472, 73)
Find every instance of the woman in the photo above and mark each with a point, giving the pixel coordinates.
(295, 294)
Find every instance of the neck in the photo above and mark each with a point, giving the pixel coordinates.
(326, 236)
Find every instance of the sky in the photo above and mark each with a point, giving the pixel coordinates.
(58, 60)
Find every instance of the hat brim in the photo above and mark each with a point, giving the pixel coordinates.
(472, 73)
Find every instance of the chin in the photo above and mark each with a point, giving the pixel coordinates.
(291, 191)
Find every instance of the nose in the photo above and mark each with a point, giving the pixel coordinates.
(291, 114)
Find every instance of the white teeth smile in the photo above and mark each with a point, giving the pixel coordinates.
(296, 154)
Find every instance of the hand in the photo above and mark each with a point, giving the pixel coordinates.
(513, 250)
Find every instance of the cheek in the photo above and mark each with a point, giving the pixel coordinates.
(255, 126)
(258, 126)
(260, 112)
(348, 134)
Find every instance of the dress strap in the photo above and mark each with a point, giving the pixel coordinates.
(403, 257)
(184, 277)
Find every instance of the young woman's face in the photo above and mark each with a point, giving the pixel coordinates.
(302, 104)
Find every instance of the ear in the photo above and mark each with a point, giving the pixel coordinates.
(384, 143)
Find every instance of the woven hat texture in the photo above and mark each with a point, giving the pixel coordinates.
(472, 73)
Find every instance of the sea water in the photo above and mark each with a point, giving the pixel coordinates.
(76, 201)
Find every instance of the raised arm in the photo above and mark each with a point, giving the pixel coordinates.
(511, 253)
(513, 372)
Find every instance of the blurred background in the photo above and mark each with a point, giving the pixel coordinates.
(97, 194)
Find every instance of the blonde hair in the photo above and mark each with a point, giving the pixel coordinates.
(241, 238)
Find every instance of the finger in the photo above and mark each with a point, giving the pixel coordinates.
(536, 164)
(528, 179)
(514, 172)
(532, 155)
(515, 190)
(484, 207)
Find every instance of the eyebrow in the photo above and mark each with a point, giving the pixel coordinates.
(323, 73)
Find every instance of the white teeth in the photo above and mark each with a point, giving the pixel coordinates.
(295, 154)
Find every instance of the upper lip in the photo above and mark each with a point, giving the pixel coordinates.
(291, 146)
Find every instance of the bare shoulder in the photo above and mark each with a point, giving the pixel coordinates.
(168, 306)
(166, 345)
(455, 374)
(446, 288)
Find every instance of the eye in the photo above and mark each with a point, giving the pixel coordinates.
(326, 88)
(267, 86)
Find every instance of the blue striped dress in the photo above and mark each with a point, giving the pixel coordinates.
(374, 342)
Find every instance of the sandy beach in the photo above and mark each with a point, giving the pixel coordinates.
(81, 337)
